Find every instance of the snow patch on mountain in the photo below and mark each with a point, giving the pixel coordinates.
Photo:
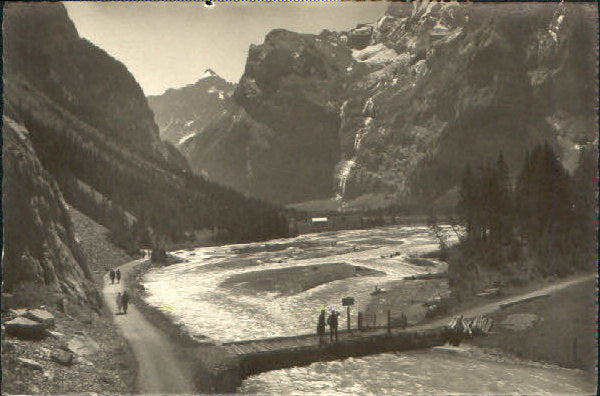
(186, 138)
(375, 54)
(208, 73)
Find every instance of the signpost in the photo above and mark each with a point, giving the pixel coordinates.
(347, 302)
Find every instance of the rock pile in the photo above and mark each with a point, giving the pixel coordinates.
(29, 324)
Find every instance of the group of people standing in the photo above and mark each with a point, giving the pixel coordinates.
(115, 275)
(122, 298)
(332, 321)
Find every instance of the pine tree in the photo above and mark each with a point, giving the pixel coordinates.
(466, 203)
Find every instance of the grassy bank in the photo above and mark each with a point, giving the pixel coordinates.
(564, 334)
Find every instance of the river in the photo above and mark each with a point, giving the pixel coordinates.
(420, 372)
(222, 314)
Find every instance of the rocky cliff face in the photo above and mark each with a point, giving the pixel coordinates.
(182, 113)
(454, 83)
(398, 107)
(43, 47)
(39, 243)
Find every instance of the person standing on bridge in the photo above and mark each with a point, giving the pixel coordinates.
(118, 275)
(332, 321)
(111, 274)
(336, 314)
(321, 327)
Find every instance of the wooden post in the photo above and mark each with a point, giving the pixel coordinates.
(389, 324)
(360, 321)
(348, 311)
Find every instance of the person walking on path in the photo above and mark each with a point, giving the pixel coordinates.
(125, 301)
(119, 303)
(118, 275)
(112, 276)
(321, 327)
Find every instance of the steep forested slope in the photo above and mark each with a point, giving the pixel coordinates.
(92, 132)
(39, 244)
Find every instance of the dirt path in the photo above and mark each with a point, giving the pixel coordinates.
(159, 368)
(486, 309)
(305, 340)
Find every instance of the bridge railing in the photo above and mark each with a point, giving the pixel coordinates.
(368, 320)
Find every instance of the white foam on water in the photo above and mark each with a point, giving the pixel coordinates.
(419, 372)
(190, 293)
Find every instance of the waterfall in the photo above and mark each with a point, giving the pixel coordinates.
(345, 167)
(343, 109)
(368, 107)
(344, 172)
(360, 134)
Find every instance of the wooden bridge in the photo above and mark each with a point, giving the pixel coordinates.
(257, 356)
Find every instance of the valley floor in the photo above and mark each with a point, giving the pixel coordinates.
(565, 309)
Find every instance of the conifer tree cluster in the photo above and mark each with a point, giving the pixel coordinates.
(544, 213)
(135, 193)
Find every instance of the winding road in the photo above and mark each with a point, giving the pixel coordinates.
(160, 371)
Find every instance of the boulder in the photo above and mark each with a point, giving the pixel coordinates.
(83, 346)
(82, 360)
(56, 334)
(62, 357)
(17, 312)
(45, 352)
(25, 328)
(30, 363)
(9, 345)
(49, 375)
(41, 316)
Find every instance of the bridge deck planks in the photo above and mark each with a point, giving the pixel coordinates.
(252, 347)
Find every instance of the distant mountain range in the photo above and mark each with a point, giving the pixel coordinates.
(77, 129)
(181, 113)
(393, 111)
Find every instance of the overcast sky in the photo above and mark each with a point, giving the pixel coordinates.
(170, 44)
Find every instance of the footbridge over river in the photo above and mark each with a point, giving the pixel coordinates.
(257, 356)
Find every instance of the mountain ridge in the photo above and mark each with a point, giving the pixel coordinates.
(399, 106)
(91, 141)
